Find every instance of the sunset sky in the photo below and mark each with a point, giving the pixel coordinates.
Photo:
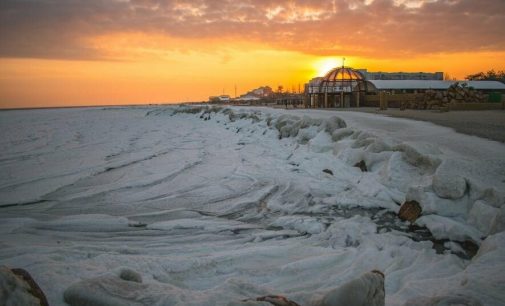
(90, 52)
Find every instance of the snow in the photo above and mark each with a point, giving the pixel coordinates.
(443, 227)
(368, 289)
(448, 186)
(486, 218)
(212, 206)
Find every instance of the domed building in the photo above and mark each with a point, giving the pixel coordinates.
(340, 87)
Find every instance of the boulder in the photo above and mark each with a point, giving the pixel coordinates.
(361, 165)
(410, 211)
(130, 275)
(277, 300)
(19, 288)
(328, 171)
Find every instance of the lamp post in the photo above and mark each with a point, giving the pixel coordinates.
(342, 85)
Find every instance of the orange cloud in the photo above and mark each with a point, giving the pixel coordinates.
(379, 28)
(138, 51)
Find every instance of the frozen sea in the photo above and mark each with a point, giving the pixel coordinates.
(212, 206)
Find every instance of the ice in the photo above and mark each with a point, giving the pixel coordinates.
(443, 227)
(368, 289)
(321, 143)
(302, 224)
(84, 223)
(486, 218)
(202, 205)
(204, 224)
(449, 186)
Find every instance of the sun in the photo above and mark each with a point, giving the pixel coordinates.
(322, 66)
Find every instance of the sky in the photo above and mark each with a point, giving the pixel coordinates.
(106, 52)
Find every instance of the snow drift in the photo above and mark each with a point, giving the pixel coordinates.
(212, 206)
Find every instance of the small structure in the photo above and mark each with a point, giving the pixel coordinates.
(219, 99)
(247, 97)
(340, 87)
(289, 99)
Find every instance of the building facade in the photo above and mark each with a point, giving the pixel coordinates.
(380, 75)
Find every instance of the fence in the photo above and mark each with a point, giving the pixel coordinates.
(384, 100)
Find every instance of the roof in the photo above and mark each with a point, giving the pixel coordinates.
(431, 84)
(485, 84)
(343, 74)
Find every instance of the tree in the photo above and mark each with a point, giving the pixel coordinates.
(448, 77)
(491, 75)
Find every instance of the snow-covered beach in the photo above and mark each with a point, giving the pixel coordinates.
(213, 206)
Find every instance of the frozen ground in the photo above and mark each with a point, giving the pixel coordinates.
(212, 208)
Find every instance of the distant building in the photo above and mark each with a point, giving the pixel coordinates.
(258, 93)
(248, 97)
(261, 92)
(380, 75)
(219, 99)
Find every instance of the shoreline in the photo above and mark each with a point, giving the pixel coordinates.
(488, 124)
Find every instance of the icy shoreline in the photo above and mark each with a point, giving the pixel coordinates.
(214, 206)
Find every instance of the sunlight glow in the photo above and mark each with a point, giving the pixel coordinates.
(324, 65)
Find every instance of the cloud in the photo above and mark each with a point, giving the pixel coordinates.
(62, 29)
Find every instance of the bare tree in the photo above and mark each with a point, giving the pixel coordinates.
(491, 75)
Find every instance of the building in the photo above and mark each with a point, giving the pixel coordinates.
(347, 87)
(413, 86)
(340, 87)
(219, 99)
(380, 75)
(261, 95)
(247, 97)
(261, 92)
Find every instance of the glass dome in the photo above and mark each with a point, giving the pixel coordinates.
(341, 79)
(343, 74)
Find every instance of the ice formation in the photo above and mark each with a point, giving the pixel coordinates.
(213, 206)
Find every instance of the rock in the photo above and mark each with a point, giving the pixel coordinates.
(130, 275)
(361, 165)
(34, 287)
(470, 247)
(107, 290)
(277, 300)
(248, 302)
(449, 186)
(17, 287)
(328, 171)
(410, 211)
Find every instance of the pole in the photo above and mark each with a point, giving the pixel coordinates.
(342, 87)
